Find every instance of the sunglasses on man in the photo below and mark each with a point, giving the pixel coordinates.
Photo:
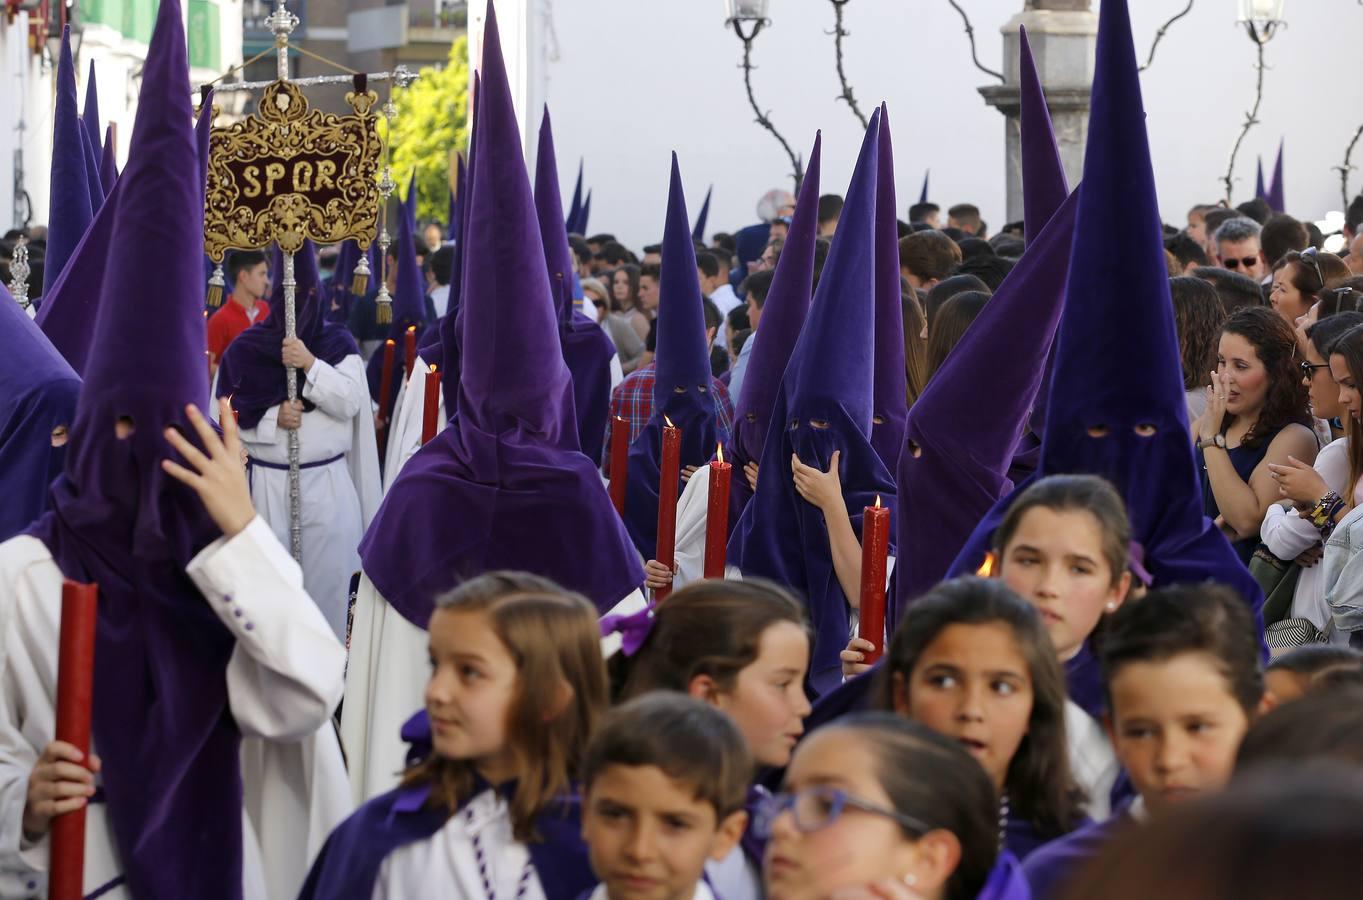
(1233, 262)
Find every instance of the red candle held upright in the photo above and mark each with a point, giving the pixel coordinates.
(385, 392)
(717, 517)
(409, 350)
(75, 692)
(619, 462)
(668, 479)
(875, 548)
(432, 404)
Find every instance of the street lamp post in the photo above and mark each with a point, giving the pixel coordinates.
(753, 15)
(1262, 19)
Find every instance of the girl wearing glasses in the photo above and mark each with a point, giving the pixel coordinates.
(1256, 417)
(1288, 530)
(879, 807)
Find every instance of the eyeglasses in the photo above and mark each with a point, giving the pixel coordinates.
(1309, 255)
(1234, 262)
(815, 808)
(1349, 296)
(1309, 371)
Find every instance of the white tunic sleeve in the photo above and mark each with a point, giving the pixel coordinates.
(332, 392)
(286, 674)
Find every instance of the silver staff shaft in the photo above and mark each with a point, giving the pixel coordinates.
(295, 489)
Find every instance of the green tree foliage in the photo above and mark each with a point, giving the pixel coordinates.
(432, 119)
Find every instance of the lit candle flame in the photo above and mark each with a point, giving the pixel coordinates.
(411, 328)
(987, 567)
(390, 342)
(434, 367)
(669, 422)
(877, 501)
(719, 449)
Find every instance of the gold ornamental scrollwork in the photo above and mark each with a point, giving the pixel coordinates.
(287, 173)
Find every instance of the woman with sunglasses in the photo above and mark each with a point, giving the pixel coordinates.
(878, 806)
(1256, 417)
(1288, 531)
(1299, 276)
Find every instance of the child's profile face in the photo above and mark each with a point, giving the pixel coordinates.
(856, 849)
(972, 683)
(1055, 561)
(469, 694)
(649, 836)
(1175, 727)
(768, 702)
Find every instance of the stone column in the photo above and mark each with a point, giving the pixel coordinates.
(1063, 35)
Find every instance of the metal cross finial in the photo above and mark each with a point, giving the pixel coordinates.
(281, 23)
(18, 274)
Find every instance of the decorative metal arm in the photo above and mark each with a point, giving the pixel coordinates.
(1159, 35)
(970, 33)
(838, 34)
(762, 118)
(1346, 168)
(1251, 119)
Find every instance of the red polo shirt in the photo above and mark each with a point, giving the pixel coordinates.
(230, 321)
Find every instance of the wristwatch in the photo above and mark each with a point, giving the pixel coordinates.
(1218, 441)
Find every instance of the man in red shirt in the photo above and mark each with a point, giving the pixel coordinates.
(250, 274)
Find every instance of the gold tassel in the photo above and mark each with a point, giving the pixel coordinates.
(359, 279)
(384, 314)
(216, 282)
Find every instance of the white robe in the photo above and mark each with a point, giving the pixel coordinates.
(445, 865)
(339, 499)
(404, 430)
(385, 683)
(284, 680)
(1092, 760)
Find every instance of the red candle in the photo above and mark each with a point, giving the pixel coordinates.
(409, 351)
(667, 500)
(619, 462)
(717, 517)
(875, 547)
(432, 404)
(75, 692)
(385, 392)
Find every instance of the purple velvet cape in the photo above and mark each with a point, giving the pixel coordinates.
(779, 535)
(252, 373)
(162, 724)
(38, 392)
(682, 388)
(348, 864)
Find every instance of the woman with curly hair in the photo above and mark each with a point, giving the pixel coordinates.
(1256, 416)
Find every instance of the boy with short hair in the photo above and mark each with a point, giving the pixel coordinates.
(664, 782)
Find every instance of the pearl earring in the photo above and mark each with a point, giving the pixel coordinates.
(1112, 607)
(911, 879)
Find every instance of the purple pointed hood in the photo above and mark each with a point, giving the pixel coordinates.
(108, 163)
(38, 393)
(1260, 192)
(69, 208)
(783, 315)
(162, 722)
(923, 191)
(1117, 405)
(92, 182)
(586, 213)
(505, 467)
(90, 115)
(698, 232)
(891, 406)
(575, 206)
(1044, 186)
(251, 372)
(682, 380)
(203, 131)
(955, 467)
(587, 349)
(68, 311)
(779, 535)
(1275, 189)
